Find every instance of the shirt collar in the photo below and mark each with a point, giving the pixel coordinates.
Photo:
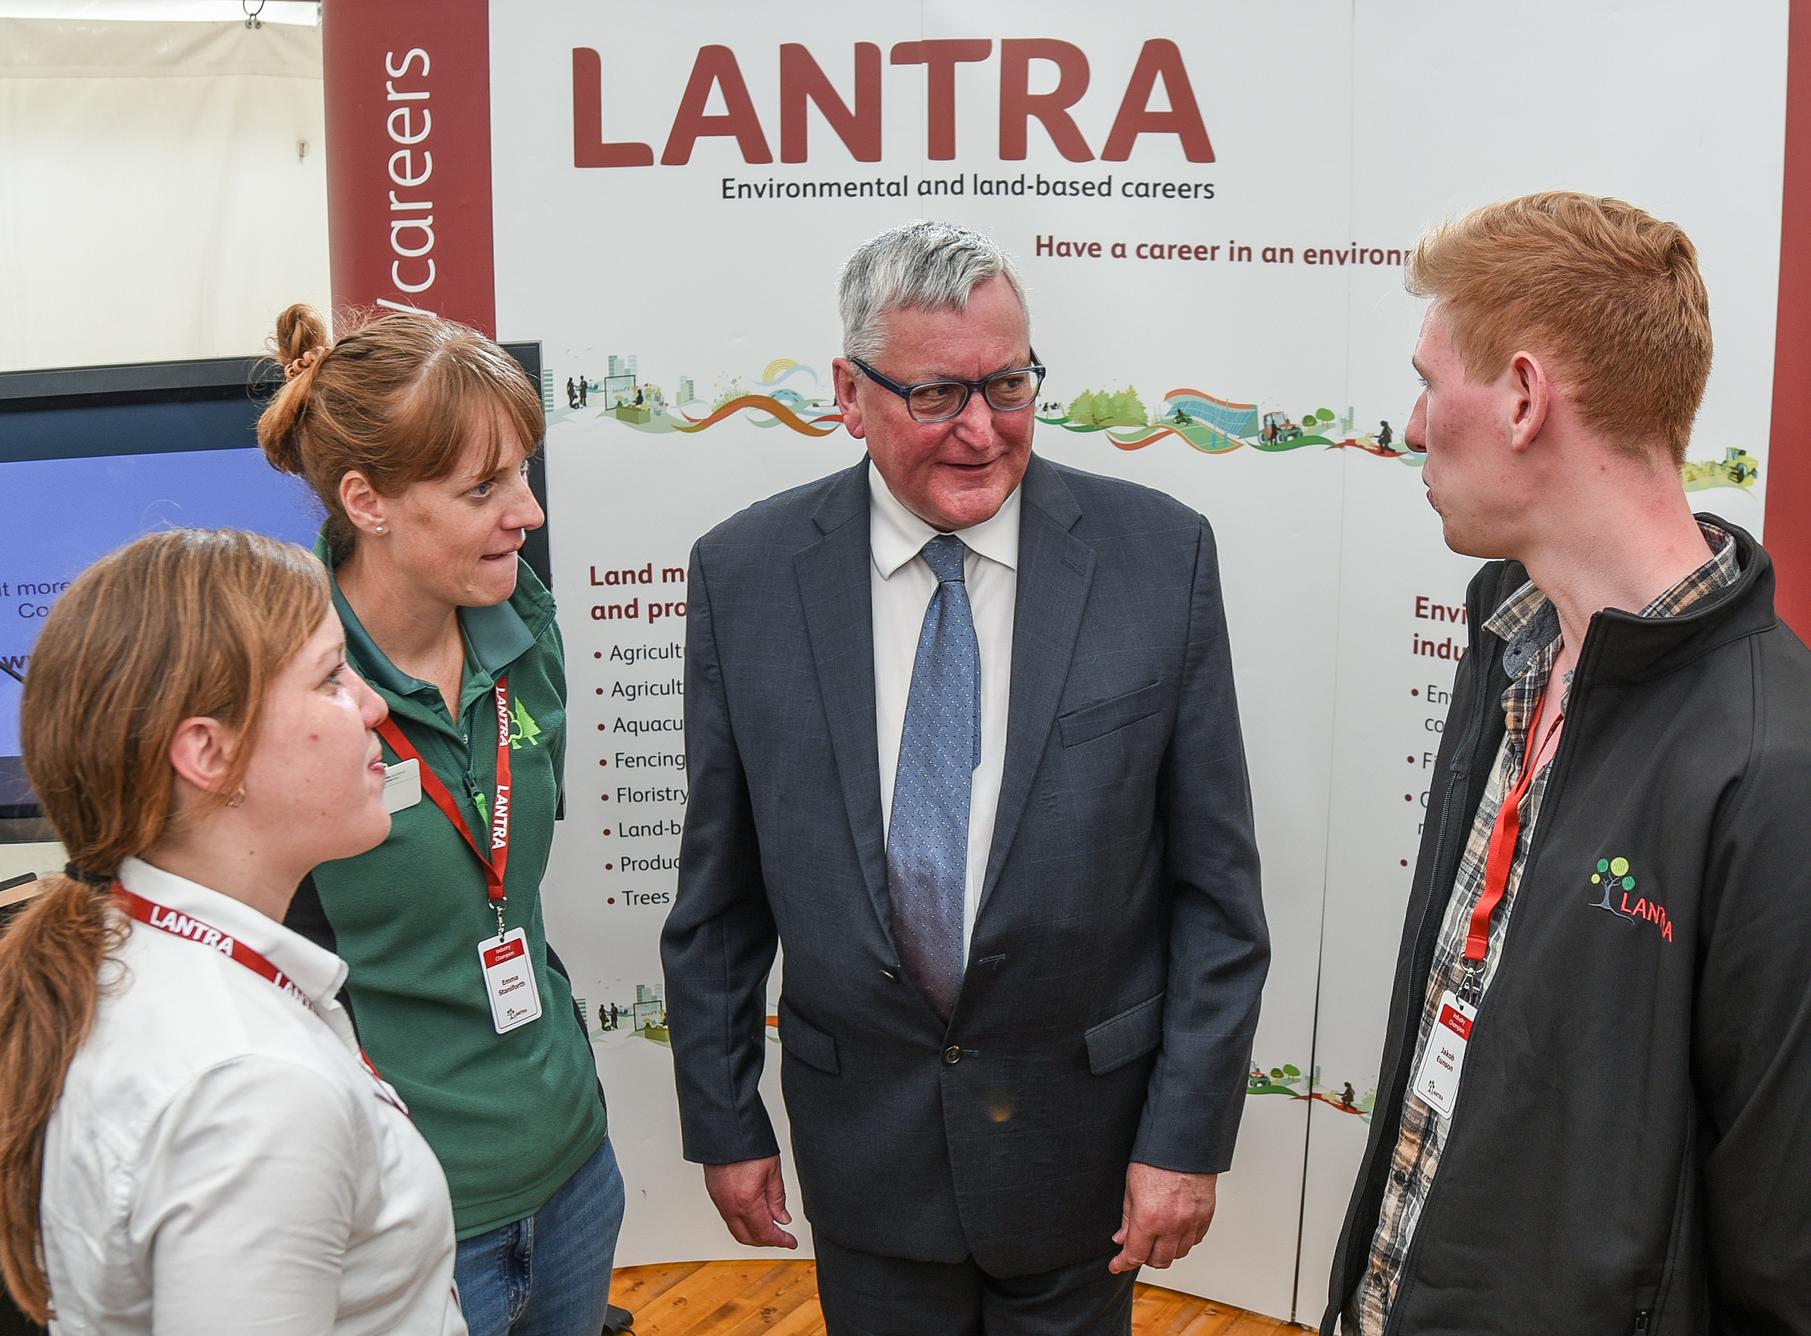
(1528, 623)
(316, 971)
(496, 636)
(896, 535)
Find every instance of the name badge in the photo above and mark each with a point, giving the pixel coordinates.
(509, 980)
(1437, 1083)
(402, 785)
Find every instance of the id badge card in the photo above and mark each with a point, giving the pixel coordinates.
(509, 980)
(1437, 1083)
(402, 785)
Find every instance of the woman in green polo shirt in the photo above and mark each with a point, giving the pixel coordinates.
(414, 432)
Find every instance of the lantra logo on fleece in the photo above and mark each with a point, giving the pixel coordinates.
(1616, 879)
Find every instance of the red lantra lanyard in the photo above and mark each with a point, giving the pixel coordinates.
(1503, 839)
(205, 935)
(497, 864)
(192, 929)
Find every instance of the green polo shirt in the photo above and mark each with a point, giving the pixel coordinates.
(511, 1116)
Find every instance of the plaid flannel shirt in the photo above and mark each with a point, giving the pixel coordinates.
(1529, 626)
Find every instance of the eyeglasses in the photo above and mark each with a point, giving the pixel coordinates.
(940, 400)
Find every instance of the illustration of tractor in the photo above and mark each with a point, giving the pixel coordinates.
(1278, 427)
(1737, 468)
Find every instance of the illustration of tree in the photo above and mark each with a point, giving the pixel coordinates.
(1101, 409)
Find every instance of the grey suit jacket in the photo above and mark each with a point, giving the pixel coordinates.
(1114, 971)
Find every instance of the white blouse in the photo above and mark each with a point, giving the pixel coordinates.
(222, 1162)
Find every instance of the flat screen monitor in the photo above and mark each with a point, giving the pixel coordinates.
(93, 457)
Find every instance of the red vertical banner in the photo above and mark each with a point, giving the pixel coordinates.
(1788, 460)
(407, 88)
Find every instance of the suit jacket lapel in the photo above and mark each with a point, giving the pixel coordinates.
(1055, 570)
(839, 621)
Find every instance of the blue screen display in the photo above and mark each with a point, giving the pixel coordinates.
(70, 512)
(64, 513)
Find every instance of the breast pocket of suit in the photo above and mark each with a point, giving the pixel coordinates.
(1114, 743)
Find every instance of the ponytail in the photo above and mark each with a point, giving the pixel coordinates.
(299, 346)
(50, 964)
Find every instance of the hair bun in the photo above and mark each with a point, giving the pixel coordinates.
(295, 368)
(300, 331)
(300, 343)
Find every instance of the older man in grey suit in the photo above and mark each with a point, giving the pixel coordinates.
(961, 734)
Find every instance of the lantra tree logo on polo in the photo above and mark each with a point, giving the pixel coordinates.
(525, 730)
(1617, 881)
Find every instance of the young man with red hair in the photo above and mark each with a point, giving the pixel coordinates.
(1596, 1077)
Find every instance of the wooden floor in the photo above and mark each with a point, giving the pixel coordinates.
(762, 1298)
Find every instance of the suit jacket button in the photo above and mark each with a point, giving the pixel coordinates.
(952, 1055)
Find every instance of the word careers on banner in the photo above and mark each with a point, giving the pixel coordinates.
(717, 72)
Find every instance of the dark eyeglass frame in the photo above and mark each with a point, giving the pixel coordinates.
(969, 387)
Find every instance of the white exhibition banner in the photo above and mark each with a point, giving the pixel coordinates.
(1210, 206)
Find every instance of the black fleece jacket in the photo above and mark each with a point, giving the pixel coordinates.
(1631, 1148)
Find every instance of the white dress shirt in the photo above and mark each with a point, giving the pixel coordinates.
(902, 585)
(221, 1161)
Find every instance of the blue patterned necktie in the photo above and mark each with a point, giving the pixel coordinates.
(927, 836)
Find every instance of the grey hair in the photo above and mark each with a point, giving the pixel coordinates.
(915, 266)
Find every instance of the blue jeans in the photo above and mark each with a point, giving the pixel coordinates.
(548, 1275)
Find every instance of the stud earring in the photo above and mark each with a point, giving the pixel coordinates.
(378, 528)
(237, 799)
